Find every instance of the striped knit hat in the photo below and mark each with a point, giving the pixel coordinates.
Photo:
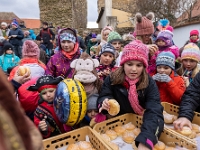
(191, 51)
(107, 48)
(68, 37)
(166, 58)
(114, 36)
(135, 50)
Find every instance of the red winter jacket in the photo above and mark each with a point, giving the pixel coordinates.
(172, 91)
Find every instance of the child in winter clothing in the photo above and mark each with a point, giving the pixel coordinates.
(45, 118)
(59, 63)
(32, 34)
(104, 36)
(91, 43)
(26, 36)
(30, 53)
(107, 57)
(189, 67)
(4, 31)
(115, 39)
(164, 43)
(136, 92)
(93, 50)
(8, 59)
(171, 86)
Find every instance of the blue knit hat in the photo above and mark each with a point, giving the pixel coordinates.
(107, 48)
(167, 59)
(15, 23)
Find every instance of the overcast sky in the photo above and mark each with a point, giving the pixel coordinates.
(30, 8)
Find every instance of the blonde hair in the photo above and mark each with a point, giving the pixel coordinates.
(181, 71)
(118, 77)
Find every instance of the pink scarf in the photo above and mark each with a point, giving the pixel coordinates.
(133, 96)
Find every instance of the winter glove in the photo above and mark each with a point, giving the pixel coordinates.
(165, 78)
(157, 77)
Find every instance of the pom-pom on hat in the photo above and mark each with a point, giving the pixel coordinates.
(15, 23)
(194, 32)
(45, 82)
(191, 51)
(30, 49)
(144, 25)
(107, 48)
(167, 59)
(135, 50)
(114, 36)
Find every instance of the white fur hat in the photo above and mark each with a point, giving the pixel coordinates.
(4, 23)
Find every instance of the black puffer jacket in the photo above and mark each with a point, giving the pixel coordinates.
(191, 99)
(149, 99)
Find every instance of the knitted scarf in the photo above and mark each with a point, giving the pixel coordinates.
(133, 96)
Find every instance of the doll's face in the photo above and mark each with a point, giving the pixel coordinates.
(189, 64)
(48, 94)
(117, 45)
(105, 34)
(194, 37)
(133, 69)
(67, 46)
(163, 69)
(106, 58)
(160, 42)
(92, 113)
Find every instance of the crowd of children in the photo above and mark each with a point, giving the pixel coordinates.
(137, 70)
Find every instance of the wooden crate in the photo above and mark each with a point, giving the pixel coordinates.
(73, 137)
(168, 137)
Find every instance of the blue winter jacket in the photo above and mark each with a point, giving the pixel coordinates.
(8, 60)
(16, 40)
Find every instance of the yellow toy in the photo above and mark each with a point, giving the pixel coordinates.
(70, 102)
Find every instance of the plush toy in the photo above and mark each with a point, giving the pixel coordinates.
(85, 72)
(70, 103)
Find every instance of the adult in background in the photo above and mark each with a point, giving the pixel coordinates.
(47, 36)
(4, 30)
(15, 37)
(26, 36)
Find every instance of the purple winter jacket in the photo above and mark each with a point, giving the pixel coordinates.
(58, 64)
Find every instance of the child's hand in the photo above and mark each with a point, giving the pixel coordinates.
(43, 125)
(165, 78)
(21, 79)
(181, 122)
(152, 49)
(142, 147)
(156, 77)
(186, 81)
(105, 105)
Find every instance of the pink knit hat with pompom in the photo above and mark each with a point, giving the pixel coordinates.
(30, 49)
(135, 50)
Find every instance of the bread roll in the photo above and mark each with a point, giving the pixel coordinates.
(192, 135)
(136, 131)
(185, 131)
(23, 70)
(195, 128)
(114, 146)
(168, 118)
(114, 107)
(105, 137)
(73, 147)
(128, 137)
(84, 145)
(129, 126)
(112, 134)
(159, 146)
(119, 130)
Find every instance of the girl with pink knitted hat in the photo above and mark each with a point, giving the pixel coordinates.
(136, 92)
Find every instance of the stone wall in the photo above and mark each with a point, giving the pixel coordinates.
(124, 5)
(64, 13)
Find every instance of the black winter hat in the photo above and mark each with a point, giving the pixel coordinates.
(7, 46)
(44, 81)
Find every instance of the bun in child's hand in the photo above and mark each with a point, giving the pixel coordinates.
(23, 70)
(114, 107)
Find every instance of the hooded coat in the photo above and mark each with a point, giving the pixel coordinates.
(59, 64)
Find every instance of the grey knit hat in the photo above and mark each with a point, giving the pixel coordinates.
(92, 102)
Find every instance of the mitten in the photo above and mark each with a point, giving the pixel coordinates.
(165, 78)
(157, 77)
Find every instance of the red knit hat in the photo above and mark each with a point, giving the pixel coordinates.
(30, 49)
(144, 25)
(194, 32)
(135, 50)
